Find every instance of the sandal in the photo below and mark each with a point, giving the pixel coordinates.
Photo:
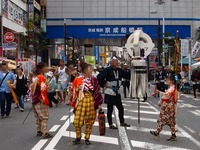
(113, 127)
(87, 142)
(77, 141)
(47, 135)
(154, 133)
(39, 133)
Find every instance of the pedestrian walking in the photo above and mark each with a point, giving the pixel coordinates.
(126, 79)
(5, 92)
(110, 78)
(168, 109)
(62, 81)
(195, 77)
(86, 99)
(21, 87)
(52, 88)
(40, 101)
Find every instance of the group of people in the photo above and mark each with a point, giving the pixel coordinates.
(84, 95)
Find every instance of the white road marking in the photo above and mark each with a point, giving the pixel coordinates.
(189, 105)
(39, 145)
(150, 146)
(63, 133)
(58, 136)
(96, 138)
(196, 112)
(124, 142)
(143, 112)
(141, 129)
(54, 128)
(135, 102)
(97, 124)
(64, 118)
(142, 119)
(189, 129)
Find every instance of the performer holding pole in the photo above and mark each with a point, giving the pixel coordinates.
(5, 91)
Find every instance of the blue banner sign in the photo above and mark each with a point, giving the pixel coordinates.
(118, 31)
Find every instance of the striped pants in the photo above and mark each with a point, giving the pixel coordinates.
(85, 113)
(41, 112)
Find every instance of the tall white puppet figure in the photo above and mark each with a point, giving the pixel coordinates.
(139, 45)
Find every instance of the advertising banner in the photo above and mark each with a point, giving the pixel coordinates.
(14, 12)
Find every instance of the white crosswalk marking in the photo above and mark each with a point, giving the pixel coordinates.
(150, 146)
(147, 130)
(64, 118)
(142, 112)
(54, 128)
(124, 140)
(96, 138)
(39, 145)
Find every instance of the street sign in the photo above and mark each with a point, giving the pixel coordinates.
(195, 49)
(9, 37)
(9, 46)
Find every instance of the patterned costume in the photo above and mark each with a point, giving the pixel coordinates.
(85, 97)
(168, 110)
(40, 103)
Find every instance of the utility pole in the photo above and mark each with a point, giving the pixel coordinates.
(65, 36)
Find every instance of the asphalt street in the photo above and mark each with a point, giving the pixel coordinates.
(18, 136)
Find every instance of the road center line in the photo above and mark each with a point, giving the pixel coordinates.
(124, 142)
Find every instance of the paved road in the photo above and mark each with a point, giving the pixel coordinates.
(22, 137)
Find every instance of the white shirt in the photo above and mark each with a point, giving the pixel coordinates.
(62, 74)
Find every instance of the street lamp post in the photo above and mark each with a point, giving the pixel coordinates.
(162, 2)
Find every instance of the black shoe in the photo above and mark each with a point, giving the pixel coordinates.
(77, 141)
(7, 116)
(113, 127)
(124, 125)
(2, 116)
(172, 138)
(154, 133)
(39, 133)
(87, 142)
(47, 136)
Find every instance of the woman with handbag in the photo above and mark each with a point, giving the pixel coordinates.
(168, 109)
(86, 98)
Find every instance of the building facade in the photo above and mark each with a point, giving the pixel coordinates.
(108, 22)
(14, 24)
